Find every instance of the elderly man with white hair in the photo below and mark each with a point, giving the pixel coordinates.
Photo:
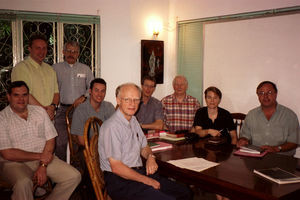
(179, 108)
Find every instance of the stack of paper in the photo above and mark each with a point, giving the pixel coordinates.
(194, 163)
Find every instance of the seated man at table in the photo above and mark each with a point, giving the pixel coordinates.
(271, 126)
(94, 106)
(179, 109)
(27, 139)
(121, 145)
(149, 114)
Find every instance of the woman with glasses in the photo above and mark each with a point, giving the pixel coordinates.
(213, 121)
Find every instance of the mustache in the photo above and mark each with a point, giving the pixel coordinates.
(71, 57)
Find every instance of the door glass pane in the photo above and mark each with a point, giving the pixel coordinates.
(6, 59)
(83, 34)
(45, 28)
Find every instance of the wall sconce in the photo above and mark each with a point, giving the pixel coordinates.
(154, 26)
(155, 33)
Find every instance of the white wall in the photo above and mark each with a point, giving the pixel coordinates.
(123, 27)
(243, 102)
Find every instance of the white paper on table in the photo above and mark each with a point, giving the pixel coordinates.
(194, 163)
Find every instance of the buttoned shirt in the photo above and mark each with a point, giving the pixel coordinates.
(73, 81)
(41, 79)
(85, 110)
(150, 112)
(27, 135)
(179, 115)
(121, 140)
(282, 127)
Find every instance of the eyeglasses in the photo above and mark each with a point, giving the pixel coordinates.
(149, 86)
(128, 100)
(262, 93)
(71, 51)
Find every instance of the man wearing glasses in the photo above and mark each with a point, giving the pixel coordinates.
(73, 80)
(271, 126)
(149, 114)
(121, 145)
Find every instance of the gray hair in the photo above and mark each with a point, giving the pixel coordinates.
(119, 88)
(180, 76)
(72, 43)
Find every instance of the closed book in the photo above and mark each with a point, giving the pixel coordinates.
(240, 153)
(174, 135)
(278, 175)
(161, 146)
(251, 149)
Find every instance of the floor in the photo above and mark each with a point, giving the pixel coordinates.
(84, 192)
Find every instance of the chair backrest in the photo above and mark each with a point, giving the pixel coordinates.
(71, 138)
(238, 119)
(91, 156)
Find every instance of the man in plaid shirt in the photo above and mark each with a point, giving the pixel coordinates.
(179, 108)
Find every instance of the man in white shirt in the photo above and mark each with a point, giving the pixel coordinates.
(27, 138)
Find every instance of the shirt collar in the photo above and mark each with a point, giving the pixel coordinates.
(34, 63)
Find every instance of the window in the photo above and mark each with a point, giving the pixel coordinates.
(17, 27)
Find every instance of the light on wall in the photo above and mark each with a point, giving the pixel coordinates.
(154, 26)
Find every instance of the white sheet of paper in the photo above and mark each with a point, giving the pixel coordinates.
(194, 163)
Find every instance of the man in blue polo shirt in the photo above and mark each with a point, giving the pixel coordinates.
(121, 145)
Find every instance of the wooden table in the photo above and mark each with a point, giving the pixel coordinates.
(234, 176)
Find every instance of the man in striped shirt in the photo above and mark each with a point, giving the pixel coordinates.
(179, 108)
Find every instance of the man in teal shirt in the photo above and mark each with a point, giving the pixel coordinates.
(271, 126)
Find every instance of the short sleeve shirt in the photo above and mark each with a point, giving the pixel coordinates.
(27, 135)
(223, 121)
(150, 112)
(179, 115)
(85, 110)
(281, 128)
(121, 140)
(41, 79)
(72, 81)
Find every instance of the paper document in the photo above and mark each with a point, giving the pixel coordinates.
(195, 164)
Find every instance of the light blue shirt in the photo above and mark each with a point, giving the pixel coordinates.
(121, 140)
(85, 110)
(281, 128)
(72, 81)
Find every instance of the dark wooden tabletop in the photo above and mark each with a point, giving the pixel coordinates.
(234, 176)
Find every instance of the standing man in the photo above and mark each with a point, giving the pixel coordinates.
(179, 108)
(26, 149)
(94, 106)
(73, 82)
(149, 114)
(39, 76)
(271, 126)
(121, 145)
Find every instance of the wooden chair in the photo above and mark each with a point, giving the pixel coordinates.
(73, 142)
(91, 156)
(238, 119)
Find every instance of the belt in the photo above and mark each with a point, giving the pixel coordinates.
(65, 105)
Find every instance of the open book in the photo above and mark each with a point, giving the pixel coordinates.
(278, 175)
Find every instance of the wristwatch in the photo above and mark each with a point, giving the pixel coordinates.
(280, 148)
(55, 106)
(43, 164)
(151, 155)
